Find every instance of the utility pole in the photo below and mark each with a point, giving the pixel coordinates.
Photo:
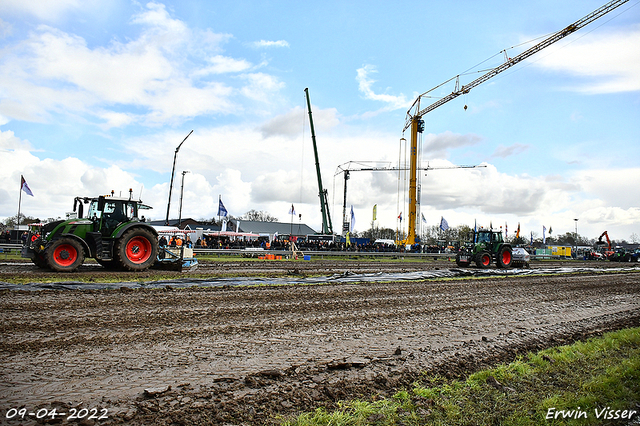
(173, 170)
(576, 238)
(184, 172)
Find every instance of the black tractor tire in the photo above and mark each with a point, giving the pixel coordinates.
(483, 260)
(504, 258)
(64, 255)
(460, 263)
(40, 261)
(137, 249)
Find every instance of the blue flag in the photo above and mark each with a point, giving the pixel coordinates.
(353, 220)
(443, 224)
(475, 230)
(221, 210)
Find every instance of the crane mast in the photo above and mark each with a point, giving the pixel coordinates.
(415, 114)
(327, 228)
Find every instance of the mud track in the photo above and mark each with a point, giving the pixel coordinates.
(245, 355)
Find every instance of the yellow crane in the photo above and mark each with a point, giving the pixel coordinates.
(415, 113)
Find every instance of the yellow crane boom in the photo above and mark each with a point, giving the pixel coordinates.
(415, 114)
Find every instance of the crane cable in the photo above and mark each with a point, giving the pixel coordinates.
(559, 46)
(504, 52)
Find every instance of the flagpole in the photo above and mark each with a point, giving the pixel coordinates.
(19, 205)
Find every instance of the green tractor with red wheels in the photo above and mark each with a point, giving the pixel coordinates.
(488, 247)
(112, 233)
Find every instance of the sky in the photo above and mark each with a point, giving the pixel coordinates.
(96, 95)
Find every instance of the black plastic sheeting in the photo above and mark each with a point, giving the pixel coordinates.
(346, 277)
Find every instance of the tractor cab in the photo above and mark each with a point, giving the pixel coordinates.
(108, 213)
(489, 237)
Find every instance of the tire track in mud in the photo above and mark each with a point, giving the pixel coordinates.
(284, 348)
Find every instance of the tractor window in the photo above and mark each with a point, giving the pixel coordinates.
(130, 210)
(114, 211)
(483, 237)
(94, 211)
(109, 208)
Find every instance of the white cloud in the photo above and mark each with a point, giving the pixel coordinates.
(163, 75)
(5, 29)
(261, 87)
(617, 187)
(270, 174)
(608, 62)
(365, 83)
(265, 43)
(438, 146)
(222, 64)
(507, 151)
(44, 9)
(292, 123)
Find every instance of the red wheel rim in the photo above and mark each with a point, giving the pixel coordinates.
(65, 254)
(486, 260)
(506, 257)
(138, 249)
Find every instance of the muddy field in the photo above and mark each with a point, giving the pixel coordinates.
(245, 355)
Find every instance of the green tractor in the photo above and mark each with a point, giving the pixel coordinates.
(111, 233)
(488, 247)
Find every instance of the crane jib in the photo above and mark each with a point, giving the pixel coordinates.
(513, 61)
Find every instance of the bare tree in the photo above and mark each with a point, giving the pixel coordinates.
(260, 216)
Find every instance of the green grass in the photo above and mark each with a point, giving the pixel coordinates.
(583, 377)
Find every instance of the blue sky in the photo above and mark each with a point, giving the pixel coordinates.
(96, 95)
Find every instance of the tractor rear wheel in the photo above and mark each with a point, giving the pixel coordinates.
(64, 255)
(484, 260)
(504, 257)
(137, 249)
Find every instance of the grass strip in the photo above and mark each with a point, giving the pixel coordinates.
(587, 383)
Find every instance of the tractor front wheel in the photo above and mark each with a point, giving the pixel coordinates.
(64, 255)
(504, 257)
(484, 260)
(40, 261)
(137, 249)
